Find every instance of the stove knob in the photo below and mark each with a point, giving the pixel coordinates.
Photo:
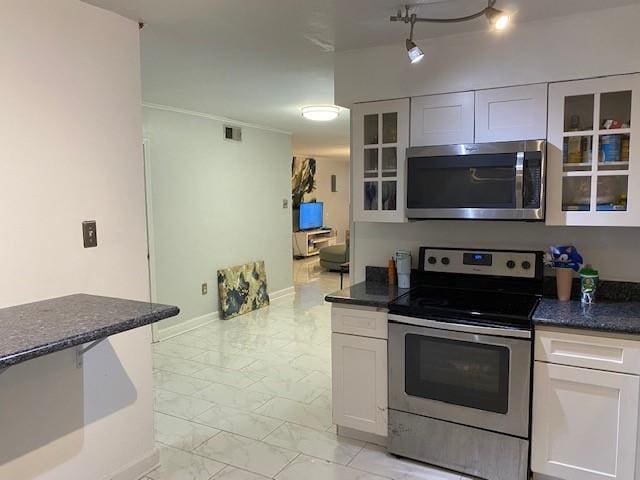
(526, 265)
(432, 260)
(511, 264)
(446, 261)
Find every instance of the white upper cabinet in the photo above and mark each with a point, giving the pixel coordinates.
(593, 173)
(511, 114)
(379, 140)
(442, 119)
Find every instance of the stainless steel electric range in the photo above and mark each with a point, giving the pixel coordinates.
(460, 361)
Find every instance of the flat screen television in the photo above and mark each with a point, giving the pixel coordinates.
(311, 215)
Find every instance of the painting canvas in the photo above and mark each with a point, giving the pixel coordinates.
(303, 180)
(242, 288)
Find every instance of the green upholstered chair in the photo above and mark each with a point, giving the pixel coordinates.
(332, 257)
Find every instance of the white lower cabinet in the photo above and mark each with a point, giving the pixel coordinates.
(585, 423)
(359, 376)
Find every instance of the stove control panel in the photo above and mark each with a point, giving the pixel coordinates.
(480, 262)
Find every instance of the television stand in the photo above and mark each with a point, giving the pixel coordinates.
(307, 243)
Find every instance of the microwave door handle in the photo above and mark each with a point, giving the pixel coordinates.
(519, 180)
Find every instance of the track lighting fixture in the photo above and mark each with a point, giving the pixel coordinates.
(498, 19)
(414, 52)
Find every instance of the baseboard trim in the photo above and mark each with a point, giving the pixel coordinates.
(197, 322)
(285, 292)
(186, 326)
(138, 468)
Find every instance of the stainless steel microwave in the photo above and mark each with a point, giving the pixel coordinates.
(484, 181)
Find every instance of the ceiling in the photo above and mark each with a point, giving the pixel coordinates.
(259, 61)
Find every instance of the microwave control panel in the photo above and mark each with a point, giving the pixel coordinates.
(480, 262)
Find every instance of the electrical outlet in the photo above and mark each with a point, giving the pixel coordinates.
(89, 234)
(285, 203)
(204, 288)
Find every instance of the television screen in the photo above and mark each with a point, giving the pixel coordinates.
(311, 215)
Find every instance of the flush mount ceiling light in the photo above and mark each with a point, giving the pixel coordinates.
(321, 113)
(498, 19)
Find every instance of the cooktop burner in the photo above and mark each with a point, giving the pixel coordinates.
(475, 306)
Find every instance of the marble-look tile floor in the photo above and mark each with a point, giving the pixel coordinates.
(250, 398)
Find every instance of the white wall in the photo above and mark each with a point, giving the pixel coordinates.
(215, 204)
(578, 46)
(613, 251)
(71, 151)
(336, 204)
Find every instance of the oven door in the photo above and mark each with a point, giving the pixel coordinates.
(464, 377)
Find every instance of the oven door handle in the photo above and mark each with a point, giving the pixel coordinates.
(461, 327)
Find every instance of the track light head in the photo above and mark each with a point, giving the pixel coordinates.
(498, 18)
(414, 52)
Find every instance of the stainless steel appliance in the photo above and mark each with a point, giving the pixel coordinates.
(460, 362)
(484, 181)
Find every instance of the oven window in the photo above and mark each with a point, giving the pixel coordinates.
(469, 374)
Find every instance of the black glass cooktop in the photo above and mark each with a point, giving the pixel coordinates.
(471, 306)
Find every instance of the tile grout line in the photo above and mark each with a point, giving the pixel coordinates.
(287, 318)
(289, 463)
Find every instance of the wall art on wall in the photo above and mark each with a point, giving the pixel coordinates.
(242, 289)
(303, 180)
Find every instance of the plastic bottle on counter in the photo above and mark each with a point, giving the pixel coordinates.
(588, 284)
(391, 272)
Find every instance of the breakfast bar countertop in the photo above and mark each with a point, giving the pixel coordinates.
(36, 329)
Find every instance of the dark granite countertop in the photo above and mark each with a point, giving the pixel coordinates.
(616, 311)
(613, 317)
(368, 294)
(35, 329)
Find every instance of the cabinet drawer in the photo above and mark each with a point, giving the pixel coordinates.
(614, 354)
(363, 321)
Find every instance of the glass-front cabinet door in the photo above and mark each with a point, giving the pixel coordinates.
(593, 152)
(379, 139)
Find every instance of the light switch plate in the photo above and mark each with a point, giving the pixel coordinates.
(89, 234)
